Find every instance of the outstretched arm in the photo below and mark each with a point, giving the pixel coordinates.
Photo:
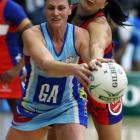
(100, 37)
(34, 46)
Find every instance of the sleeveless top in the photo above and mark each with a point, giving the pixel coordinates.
(44, 93)
(88, 20)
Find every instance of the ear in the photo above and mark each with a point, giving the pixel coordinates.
(70, 9)
(106, 3)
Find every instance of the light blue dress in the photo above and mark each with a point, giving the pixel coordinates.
(49, 100)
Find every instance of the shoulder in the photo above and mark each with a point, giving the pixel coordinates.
(34, 31)
(100, 21)
(100, 26)
(81, 31)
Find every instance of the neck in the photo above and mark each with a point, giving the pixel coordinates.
(57, 34)
(83, 13)
(81, 16)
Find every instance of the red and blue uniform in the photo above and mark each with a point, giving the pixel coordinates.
(105, 114)
(11, 15)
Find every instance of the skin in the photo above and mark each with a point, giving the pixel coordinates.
(57, 12)
(100, 37)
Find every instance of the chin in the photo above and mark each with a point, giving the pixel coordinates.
(56, 25)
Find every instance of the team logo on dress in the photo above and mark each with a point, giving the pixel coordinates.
(69, 59)
(116, 107)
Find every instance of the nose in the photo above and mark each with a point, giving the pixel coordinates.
(56, 12)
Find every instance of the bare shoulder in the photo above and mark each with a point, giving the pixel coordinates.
(81, 32)
(32, 31)
(99, 24)
(101, 20)
(100, 30)
(32, 37)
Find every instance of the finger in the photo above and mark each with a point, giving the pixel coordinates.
(93, 66)
(105, 60)
(85, 78)
(87, 72)
(83, 82)
(99, 63)
(84, 65)
(85, 69)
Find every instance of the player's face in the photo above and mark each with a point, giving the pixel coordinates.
(93, 5)
(57, 12)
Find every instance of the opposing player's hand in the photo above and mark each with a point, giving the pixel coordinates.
(82, 73)
(105, 60)
(94, 63)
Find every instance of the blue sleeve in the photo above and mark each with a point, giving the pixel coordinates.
(134, 39)
(14, 13)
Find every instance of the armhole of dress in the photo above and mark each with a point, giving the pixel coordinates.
(43, 30)
(74, 42)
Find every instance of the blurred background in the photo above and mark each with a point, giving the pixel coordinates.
(126, 53)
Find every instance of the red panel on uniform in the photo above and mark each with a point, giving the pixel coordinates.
(11, 91)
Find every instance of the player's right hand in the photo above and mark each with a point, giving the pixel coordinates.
(82, 73)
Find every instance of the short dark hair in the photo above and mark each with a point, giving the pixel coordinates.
(69, 1)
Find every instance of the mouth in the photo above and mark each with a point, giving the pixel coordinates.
(55, 19)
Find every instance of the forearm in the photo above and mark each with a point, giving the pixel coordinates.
(58, 69)
(100, 37)
(19, 66)
(96, 51)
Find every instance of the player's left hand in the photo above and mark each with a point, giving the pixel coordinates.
(8, 76)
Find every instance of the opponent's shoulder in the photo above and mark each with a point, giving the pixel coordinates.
(81, 31)
(99, 23)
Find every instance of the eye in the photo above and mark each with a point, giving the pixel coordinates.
(61, 8)
(50, 7)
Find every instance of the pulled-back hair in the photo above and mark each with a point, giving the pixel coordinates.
(115, 12)
(69, 1)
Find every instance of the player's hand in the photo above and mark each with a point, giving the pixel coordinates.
(8, 76)
(105, 60)
(82, 73)
(94, 63)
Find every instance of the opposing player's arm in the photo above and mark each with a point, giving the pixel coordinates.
(100, 37)
(25, 24)
(17, 16)
(82, 43)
